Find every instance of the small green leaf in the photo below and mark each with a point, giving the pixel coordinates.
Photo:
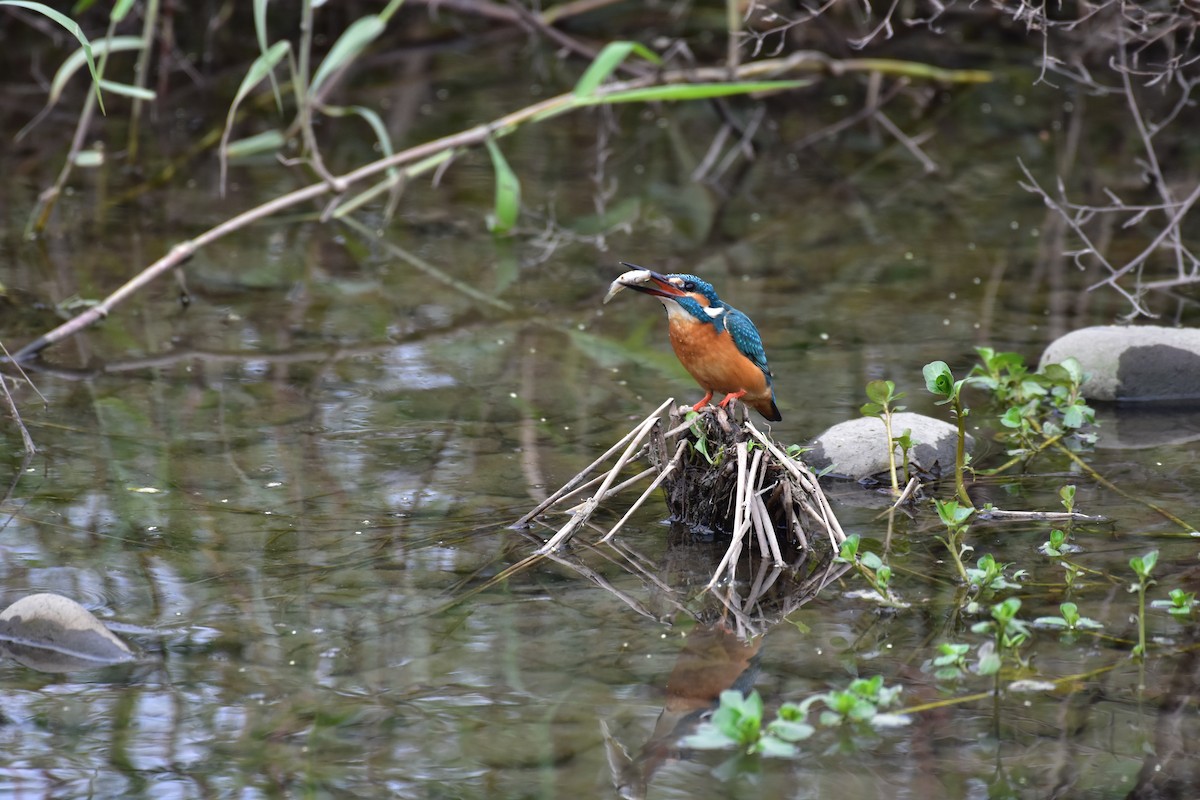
(1073, 417)
(939, 379)
(1144, 565)
(259, 69)
(880, 391)
(508, 193)
(707, 737)
(871, 560)
(790, 731)
(773, 747)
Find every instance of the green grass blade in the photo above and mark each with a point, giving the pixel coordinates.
(611, 57)
(71, 65)
(260, 33)
(262, 66)
(76, 60)
(265, 142)
(352, 42)
(73, 28)
(508, 193)
(128, 90)
(121, 10)
(695, 91)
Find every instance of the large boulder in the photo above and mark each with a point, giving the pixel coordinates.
(857, 448)
(1140, 363)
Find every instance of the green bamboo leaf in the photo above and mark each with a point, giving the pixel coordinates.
(77, 59)
(259, 69)
(260, 33)
(693, 91)
(71, 65)
(121, 10)
(353, 41)
(508, 193)
(611, 57)
(265, 142)
(73, 28)
(128, 90)
(260, 24)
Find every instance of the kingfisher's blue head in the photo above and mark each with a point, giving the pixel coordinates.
(682, 294)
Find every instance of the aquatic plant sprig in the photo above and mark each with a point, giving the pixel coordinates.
(870, 565)
(956, 519)
(883, 404)
(939, 380)
(1039, 405)
(1142, 567)
(1069, 619)
(738, 722)
(1179, 604)
(1009, 633)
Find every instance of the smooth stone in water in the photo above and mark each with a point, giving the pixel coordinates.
(52, 633)
(857, 447)
(1142, 363)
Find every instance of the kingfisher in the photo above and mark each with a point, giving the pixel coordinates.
(715, 342)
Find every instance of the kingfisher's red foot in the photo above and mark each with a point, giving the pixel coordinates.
(730, 396)
(704, 402)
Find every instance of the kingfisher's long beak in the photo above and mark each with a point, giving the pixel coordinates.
(649, 282)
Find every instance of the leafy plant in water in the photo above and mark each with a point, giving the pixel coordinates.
(1039, 406)
(1142, 567)
(1179, 605)
(988, 575)
(951, 663)
(1068, 619)
(869, 564)
(955, 517)
(1073, 571)
(738, 723)
(939, 380)
(883, 396)
(738, 720)
(862, 701)
(1055, 546)
(1008, 634)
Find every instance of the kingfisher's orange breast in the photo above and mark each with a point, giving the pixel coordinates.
(715, 362)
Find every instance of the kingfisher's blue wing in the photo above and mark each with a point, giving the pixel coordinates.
(747, 339)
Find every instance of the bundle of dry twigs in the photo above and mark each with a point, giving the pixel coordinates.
(719, 475)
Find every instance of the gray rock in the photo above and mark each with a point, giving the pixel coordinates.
(1133, 363)
(857, 447)
(52, 633)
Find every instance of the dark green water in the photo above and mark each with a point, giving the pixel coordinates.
(288, 484)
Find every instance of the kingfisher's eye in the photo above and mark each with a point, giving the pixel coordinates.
(689, 286)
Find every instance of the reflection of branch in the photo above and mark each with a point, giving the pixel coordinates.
(182, 355)
(26, 439)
